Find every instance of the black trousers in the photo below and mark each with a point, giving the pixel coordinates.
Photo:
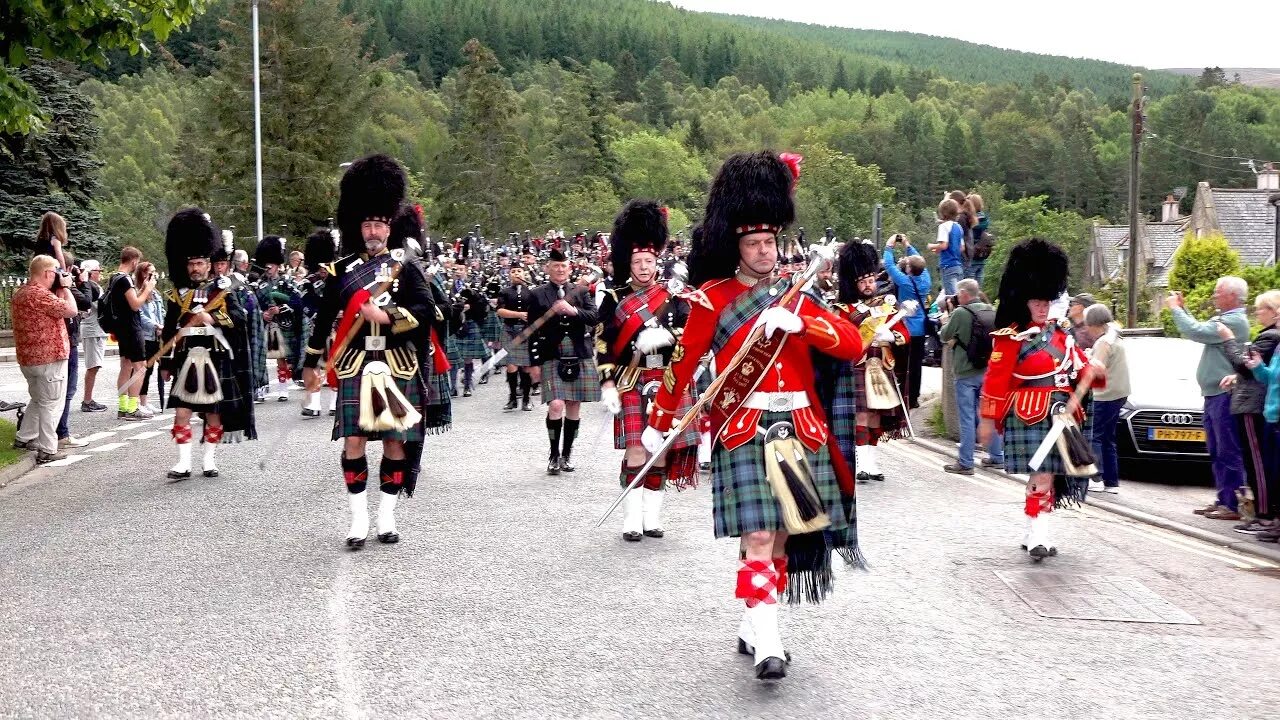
(908, 360)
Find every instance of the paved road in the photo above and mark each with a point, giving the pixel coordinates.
(122, 595)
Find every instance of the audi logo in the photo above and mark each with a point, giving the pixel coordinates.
(1177, 419)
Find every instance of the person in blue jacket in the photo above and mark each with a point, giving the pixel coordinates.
(914, 283)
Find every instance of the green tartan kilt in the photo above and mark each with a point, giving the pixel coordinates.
(471, 343)
(437, 410)
(586, 388)
(452, 351)
(1021, 442)
(742, 500)
(518, 354)
(347, 422)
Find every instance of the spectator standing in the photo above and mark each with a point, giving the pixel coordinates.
(1248, 406)
(971, 313)
(949, 246)
(80, 294)
(126, 305)
(1220, 431)
(1076, 308)
(983, 240)
(1108, 353)
(914, 283)
(40, 310)
(92, 336)
(152, 323)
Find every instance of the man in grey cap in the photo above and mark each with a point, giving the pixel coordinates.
(93, 338)
(1075, 313)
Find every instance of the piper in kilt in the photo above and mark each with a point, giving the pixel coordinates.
(513, 309)
(318, 255)
(281, 305)
(641, 320)
(774, 483)
(208, 360)
(562, 349)
(471, 307)
(1034, 367)
(385, 306)
(866, 400)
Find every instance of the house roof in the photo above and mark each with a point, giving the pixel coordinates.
(1107, 241)
(1247, 221)
(1163, 239)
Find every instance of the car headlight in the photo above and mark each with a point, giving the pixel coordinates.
(1127, 410)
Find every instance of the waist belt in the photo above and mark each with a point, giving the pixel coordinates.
(207, 331)
(1028, 382)
(777, 401)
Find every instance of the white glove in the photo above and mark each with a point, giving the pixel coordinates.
(612, 403)
(654, 339)
(910, 306)
(883, 336)
(777, 318)
(652, 439)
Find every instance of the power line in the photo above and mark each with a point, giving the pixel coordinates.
(1161, 138)
(1202, 163)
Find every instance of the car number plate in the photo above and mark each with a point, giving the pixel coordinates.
(1175, 434)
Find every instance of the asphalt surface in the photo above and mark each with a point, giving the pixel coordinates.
(123, 595)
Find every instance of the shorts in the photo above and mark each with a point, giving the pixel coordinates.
(95, 348)
(131, 347)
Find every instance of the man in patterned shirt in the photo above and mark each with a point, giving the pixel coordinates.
(40, 311)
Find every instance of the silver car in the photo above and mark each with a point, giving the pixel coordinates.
(1164, 418)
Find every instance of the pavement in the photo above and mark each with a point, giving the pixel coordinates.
(127, 596)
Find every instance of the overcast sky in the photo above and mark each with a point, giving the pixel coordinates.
(1227, 33)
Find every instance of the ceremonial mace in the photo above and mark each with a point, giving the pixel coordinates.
(819, 257)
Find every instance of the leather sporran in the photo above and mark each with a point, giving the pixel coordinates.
(1077, 454)
(791, 479)
(568, 369)
(276, 345)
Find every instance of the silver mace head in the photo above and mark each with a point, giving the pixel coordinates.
(679, 278)
(820, 258)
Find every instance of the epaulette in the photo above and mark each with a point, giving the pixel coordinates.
(1004, 332)
(842, 307)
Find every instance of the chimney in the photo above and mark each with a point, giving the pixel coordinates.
(1170, 212)
(1268, 178)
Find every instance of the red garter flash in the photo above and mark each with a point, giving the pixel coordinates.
(757, 583)
(181, 434)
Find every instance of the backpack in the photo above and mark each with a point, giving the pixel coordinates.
(978, 349)
(106, 312)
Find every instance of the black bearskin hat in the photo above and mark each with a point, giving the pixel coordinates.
(857, 260)
(225, 248)
(751, 193)
(270, 251)
(373, 188)
(321, 249)
(1037, 270)
(408, 224)
(640, 227)
(190, 234)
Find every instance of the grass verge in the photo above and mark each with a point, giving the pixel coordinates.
(8, 455)
(937, 422)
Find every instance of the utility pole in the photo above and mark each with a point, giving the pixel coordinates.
(257, 121)
(1135, 246)
(877, 224)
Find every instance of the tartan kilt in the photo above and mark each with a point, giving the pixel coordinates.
(742, 500)
(629, 424)
(518, 354)
(452, 353)
(854, 380)
(257, 351)
(347, 422)
(1021, 442)
(232, 395)
(437, 409)
(493, 328)
(471, 343)
(585, 389)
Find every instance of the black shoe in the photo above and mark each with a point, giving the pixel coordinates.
(528, 406)
(537, 388)
(553, 466)
(389, 538)
(355, 543)
(283, 398)
(745, 649)
(704, 467)
(653, 533)
(565, 466)
(466, 393)
(173, 475)
(484, 379)
(333, 413)
(957, 469)
(878, 477)
(453, 392)
(632, 536)
(771, 669)
(308, 412)
(20, 444)
(512, 404)
(863, 478)
(210, 473)
(996, 464)
(1040, 552)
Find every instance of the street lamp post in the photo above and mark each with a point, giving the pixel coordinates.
(257, 120)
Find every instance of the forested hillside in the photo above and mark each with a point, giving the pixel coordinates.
(560, 111)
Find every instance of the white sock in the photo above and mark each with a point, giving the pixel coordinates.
(184, 458)
(359, 503)
(387, 513)
(208, 456)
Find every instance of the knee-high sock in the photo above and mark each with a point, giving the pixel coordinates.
(413, 466)
(468, 373)
(391, 475)
(553, 434)
(526, 384)
(212, 436)
(355, 473)
(453, 378)
(570, 432)
(182, 437)
(513, 380)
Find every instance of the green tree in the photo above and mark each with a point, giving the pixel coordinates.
(52, 170)
(314, 99)
(881, 82)
(834, 190)
(627, 82)
(1211, 77)
(657, 100)
(591, 204)
(1032, 217)
(658, 167)
(839, 81)
(83, 32)
(696, 139)
(1200, 261)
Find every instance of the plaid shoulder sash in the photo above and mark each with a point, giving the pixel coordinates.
(745, 309)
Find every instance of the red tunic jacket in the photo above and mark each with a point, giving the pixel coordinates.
(823, 331)
(1024, 385)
